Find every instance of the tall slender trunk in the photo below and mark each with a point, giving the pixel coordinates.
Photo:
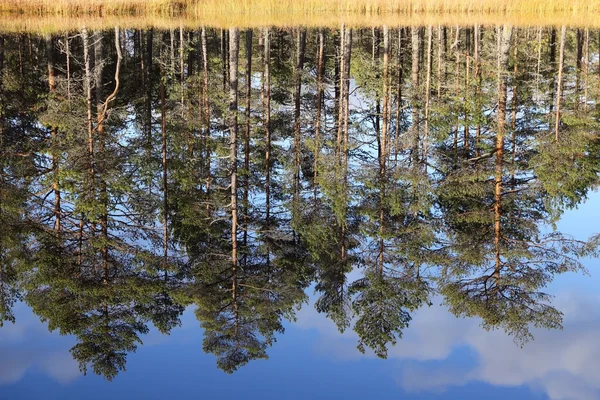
(504, 36)
(101, 154)
(68, 62)
(466, 127)
(539, 59)
(345, 99)
(320, 72)
(383, 146)
(300, 48)
(415, 96)
(478, 81)
(579, 69)
(207, 117)
(87, 86)
(552, 45)
(182, 69)
(514, 107)
(456, 86)
(224, 57)
(267, 122)
(247, 137)
(148, 94)
(439, 63)
(400, 72)
(336, 79)
(586, 67)
(427, 93)
(375, 55)
(561, 60)
(172, 58)
(386, 92)
(552, 89)
(164, 160)
(55, 152)
(234, 42)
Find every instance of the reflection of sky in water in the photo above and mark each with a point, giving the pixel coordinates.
(440, 356)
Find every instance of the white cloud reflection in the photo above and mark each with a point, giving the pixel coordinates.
(563, 364)
(28, 345)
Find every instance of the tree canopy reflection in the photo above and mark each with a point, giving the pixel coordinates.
(142, 172)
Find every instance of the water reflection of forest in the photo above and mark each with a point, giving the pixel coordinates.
(142, 171)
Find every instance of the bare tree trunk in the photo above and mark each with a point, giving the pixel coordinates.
(561, 61)
(504, 36)
(399, 92)
(267, 122)
(427, 94)
(165, 184)
(478, 87)
(172, 59)
(55, 152)
(345, 84)
(439, 64)
(234, 42)
(378, 114)
(68, 54)
(300, 47)
(101, 154)
(247, 136)
(552, 45)
(148, 95)
(514, 107)
(336, 80)
(206, 106)
(87, 86)
(386, 90)
(586, 61)
(383, 146)
(539, 59)
(580, 42)
(456, 85)
(320, 72)
(182, 69)
(415, 95)
(224, 57)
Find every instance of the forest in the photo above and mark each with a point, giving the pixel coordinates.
(246, 173)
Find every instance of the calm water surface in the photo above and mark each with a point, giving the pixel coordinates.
(177, 207)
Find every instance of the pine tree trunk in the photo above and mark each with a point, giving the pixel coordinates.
(207, 117)
(504, 37)
(559, 87)
(55, 154)
(182, 69)
(320, 72)
(87, 87)
(165, 184)
(415, 95)
(427, 94)
(234, 41)
(247, 136)
(300, 48)
(267, 123)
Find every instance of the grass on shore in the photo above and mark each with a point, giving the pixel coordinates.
(203, 7)
(63, 15)
(200, 7)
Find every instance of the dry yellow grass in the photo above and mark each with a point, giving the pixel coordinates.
(55, 15)
(203, 7)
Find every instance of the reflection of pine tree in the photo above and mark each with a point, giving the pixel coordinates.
(132, 182)
(500, 260)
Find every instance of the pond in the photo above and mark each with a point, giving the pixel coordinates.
(348, 210)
